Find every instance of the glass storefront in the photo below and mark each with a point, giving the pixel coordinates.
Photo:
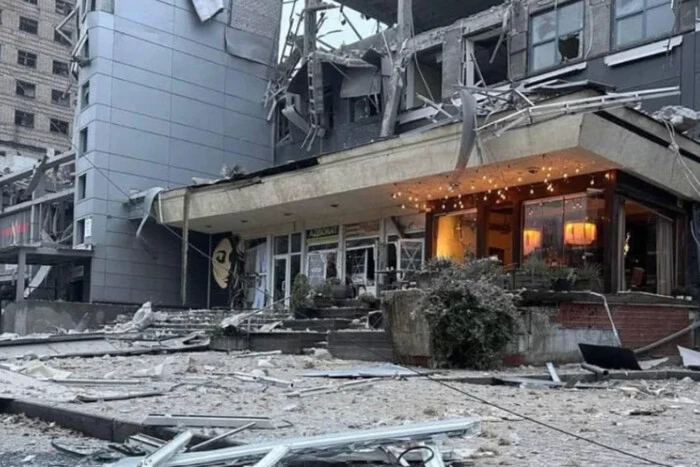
(564, 230)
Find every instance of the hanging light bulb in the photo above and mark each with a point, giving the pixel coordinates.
(403, 206)
(398, 194)
(394, 195)
(485, 197)
(577, 170)
(473, 187)
(443, 206)
(607, 175)
(566, 175)
(520, 179)
(410, 198)
(592, 181)
(532, 192)
(417, 206)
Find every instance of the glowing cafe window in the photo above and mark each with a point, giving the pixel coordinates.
(563, 230)
(456, 235)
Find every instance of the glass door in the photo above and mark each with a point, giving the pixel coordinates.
(287, 266)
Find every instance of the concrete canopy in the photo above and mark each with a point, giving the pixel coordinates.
(357, 184)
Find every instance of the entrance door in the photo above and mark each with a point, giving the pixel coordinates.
(280, 279)
(287, 266)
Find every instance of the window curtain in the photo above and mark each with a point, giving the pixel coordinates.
(664, 255)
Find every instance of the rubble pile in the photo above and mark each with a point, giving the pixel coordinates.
(266, 398)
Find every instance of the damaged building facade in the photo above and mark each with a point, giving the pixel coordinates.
(501, 129)
(167, 92)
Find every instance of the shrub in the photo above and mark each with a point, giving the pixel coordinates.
(369, 300)
(471, 317)
(300, 301)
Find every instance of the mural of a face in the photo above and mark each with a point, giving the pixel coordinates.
(221, 262)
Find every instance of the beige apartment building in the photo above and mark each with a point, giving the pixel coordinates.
(36, 98)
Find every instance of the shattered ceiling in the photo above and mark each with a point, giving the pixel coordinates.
(427, 14)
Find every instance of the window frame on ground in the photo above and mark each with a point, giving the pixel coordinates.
(538, 41)
(642, 15)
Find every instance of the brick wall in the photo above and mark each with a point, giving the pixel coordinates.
(638, 325)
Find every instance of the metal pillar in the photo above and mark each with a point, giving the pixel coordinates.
(185, 246)
(21, 270)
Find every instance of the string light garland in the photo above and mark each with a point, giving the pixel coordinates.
(449, 192)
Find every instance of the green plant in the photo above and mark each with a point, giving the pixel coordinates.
(471, 319)
(536, 266)
(561, 272)
(589, 271)
(300, 300)
(436, 265)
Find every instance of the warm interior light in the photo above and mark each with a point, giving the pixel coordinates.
(532, 239)
(580, 233)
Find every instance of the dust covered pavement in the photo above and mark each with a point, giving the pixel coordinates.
(657, 420)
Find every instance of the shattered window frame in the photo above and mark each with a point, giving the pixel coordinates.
(373, 107)
(560, 16)
(648, 12)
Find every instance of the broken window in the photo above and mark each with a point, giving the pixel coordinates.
(490, 58)
(82, 185)
(24, 119)
(26, 58)
(60, 98)
(58, 126)
(556, 36)
(60, 68)
(63, 7)
(637, 20)
(28, 25)
(425, 78)
(83, 140)
(58, 37)
(85, 95)
(283, 130)
(364, 107)
(26, 89)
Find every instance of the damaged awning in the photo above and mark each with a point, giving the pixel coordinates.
(360, 82)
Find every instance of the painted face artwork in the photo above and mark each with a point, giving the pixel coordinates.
(221, 263)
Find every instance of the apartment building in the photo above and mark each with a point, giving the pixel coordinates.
(36, 96)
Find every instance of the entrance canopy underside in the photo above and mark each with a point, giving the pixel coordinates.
(396, 176)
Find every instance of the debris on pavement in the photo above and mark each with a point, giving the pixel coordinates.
(691, 358)
(326, 444)
(609, 357)
(211, 421)
(383, 371)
